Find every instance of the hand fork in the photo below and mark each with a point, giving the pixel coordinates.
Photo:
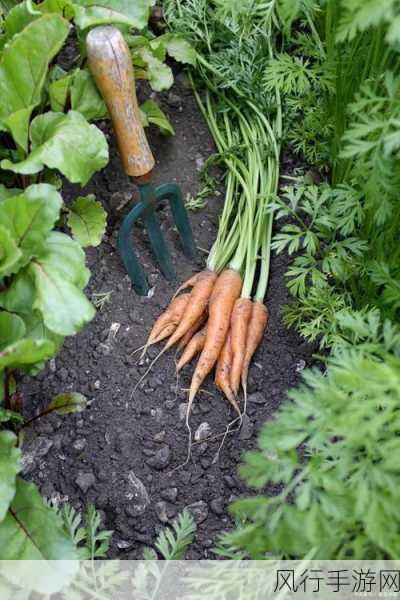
(111, 65)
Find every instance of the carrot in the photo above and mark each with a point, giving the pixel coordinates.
(225, 293)
(240, 319)
(190, 333)
(194, 347)
(223, 370)
(196, 306)
(171, 316)
(189, 283)
(255, 333)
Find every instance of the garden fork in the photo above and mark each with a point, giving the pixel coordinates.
(111, 65)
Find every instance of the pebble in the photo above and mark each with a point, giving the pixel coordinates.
(182, 410)
(161, 511)
(170, 494)
(257, 398)
(202, 432)
(300, 366)
(79, 444)
(247, 428)
(34, 452)
(174, 100)
(84, 481)
(199, 510)
(137, 494)
(217, 506)
(161, 459)
(230, 482)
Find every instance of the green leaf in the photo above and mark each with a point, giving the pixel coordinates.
(26, 352)
(9, 468)
(178, 48)
(58, 93)
(20, 294)
(155, 115)
(64, 142)
(33, 532)
(12, 329)
(87, 220)
(37, 330)
(10, 254)
(6, 192)
(29, 218)
(159, 74)
(70, 402)
(23, 71)
(19, 17)
(7, 416)
(89, 13)
(60, 275)
(85, 97)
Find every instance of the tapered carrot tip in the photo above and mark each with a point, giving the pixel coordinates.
(240, 320)
(194, 347)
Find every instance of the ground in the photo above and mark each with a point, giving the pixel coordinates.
(124, 452)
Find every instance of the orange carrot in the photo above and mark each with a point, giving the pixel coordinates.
(225, 293)
(197, 304)
(173, 313)
(189, 283)
(194, 347)
(223, 370)
(190, 333)
(255, 333)
(240, 319)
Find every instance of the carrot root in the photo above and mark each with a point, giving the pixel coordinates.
(255, 333)
(172, 314)
(240, 320)
(226, 291)
(197, 304)
(194, 347)
(222, 373)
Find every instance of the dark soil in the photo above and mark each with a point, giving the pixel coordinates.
(122, 453)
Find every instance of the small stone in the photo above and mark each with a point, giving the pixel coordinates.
(202, 432)
(230, 482)
(34, 452)
(63, 374)
(199, 510)
(161, 511)
(217, 506)
(247, 428)
(170, 494)
(84, 481)
(257, 398)
(174, 100)
(199, 160)
(124, 544)
(52, 365)
(97, 384)
(80, 423)
(79, 444)
(182, 411)
(161, 459)
(137, 495)
(160, 437)
(300, 366)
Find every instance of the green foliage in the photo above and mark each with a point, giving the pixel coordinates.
(172, 543)
(66, 143)
(23, 68)
(334, 448)
(87, 220)
(92, 541)
(9, 468)
(152, 113)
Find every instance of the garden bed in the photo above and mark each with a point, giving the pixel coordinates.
(122, 453)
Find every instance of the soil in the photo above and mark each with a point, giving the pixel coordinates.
(124, 451)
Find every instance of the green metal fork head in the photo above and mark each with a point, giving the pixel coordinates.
(145, 210)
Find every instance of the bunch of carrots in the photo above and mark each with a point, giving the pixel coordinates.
(219, 314)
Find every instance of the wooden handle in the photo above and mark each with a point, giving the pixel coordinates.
(111, 65)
